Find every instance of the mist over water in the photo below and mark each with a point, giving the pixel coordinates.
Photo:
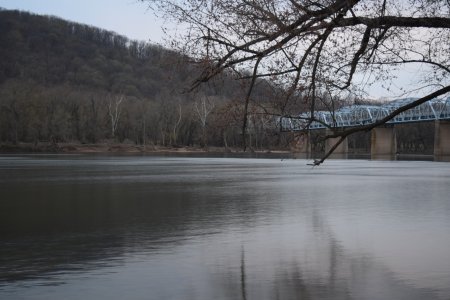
(145, 227)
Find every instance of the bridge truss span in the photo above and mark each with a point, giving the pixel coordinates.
(357, 115)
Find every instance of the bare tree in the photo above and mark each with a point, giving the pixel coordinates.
(176, 126)
(114, 111)
(317, 47)
(203, 108)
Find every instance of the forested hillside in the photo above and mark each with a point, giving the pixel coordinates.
(67, 82)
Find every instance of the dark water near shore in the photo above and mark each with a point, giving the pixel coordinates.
(99, 227)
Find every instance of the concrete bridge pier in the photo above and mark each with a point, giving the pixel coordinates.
(341, 152)
(442, 140)
(301, 145)
(383, 143)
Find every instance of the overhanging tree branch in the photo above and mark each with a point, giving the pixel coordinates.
(313, 48)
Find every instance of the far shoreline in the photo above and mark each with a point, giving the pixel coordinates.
(110, 148)
(122, 148)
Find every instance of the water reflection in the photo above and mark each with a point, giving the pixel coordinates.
(324, 270)
(185, 228)
(243, 280)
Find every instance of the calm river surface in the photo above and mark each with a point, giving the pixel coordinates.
(143, 227)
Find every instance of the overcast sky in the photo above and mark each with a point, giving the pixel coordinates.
(127, 17)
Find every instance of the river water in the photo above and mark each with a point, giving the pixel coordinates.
(147, 227)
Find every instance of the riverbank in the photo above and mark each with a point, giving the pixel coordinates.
(118, 148)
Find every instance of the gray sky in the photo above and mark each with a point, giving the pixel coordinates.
(127, 17)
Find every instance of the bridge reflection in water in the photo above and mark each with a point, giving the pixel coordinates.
(383, 139)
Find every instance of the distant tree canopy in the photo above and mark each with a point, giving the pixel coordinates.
(52, 51)
(67, 82)
(320, 51)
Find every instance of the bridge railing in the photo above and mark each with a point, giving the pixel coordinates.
(356, 115)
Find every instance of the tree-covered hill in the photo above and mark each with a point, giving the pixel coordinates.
(52, 51)
(62, 81)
